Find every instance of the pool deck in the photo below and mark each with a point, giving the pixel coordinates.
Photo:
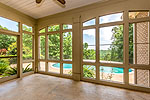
(118, 77)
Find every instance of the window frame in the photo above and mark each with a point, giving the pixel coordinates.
(139, 11)
(9, 57)
(126, 66)
(111, 14)
(85, 60)
(112, 62)
(19, 49)
(87, 21)
(11, 32)
(61, 61)
(33, 47)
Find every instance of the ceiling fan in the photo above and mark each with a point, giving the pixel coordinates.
(63, 2)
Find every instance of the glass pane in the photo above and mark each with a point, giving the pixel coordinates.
(139, 77)
(54, 67)
(8, 45)
(67, 69)
(27, 46)
(111, 35)
(89, 71)
(42, 30)
(67, 26)
(27, 67)
(131, 48)
(42, 66)
(54, 46)
(8, 67)
(111, 18)
(8, 24)
(111, 73)
(53, 28)
(139, 43)
(131, 54)
(131, 76)
(134, 15)
(111, 54)
(67, 46)
(27, 28)
(89, 47)
(111, 44)
(42, 47)
(90, 22)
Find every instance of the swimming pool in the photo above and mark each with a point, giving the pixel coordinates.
(65, 66)
(102, 68)
(112, 70)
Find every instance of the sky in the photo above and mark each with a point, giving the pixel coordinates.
(88, 35)
(69, 26)
(9, 24)
(105, 32)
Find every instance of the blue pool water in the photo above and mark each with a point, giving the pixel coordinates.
(65, 66)
(113, 70)
(102, 68)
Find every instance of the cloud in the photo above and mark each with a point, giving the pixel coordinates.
(9, 24)
(105, 32)
(111, 18)
(89, 23)
(90, 32)
(106, 35)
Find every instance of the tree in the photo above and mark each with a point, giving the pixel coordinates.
(8, 46)
(12, 49)
(54, 46)
(1, 27)
(42, 47)
(88, 71)
(27, 28)
(6, 40)
(117, 44)
(131, 52)
(27, 46)
(27, 43)
(88, 53)
(67, 45)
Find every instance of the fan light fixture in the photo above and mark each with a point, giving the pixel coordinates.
(39, 2)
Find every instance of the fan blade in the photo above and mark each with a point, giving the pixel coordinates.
(62, 1)
(38, 1)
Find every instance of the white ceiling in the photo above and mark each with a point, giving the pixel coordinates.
(48, 7)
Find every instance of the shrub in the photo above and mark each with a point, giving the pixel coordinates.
(13, 71)
(29, 56)
(10, 71)
(3, 68)
(70, 72)
(4, 65)
(88, 71)
(27, 69)
(3, 51)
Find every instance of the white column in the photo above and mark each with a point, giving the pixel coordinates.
(76, 48)
(36, 49)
